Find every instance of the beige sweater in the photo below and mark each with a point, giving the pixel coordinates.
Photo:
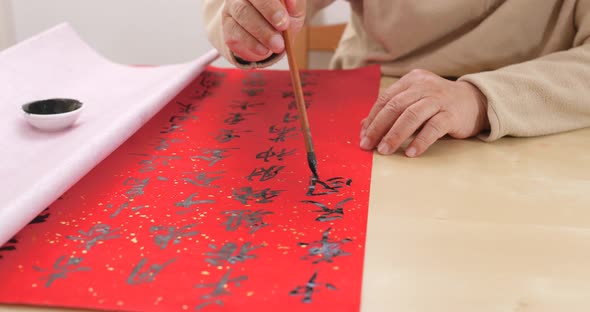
(531, 58)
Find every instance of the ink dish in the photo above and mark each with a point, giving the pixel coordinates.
(52, 114)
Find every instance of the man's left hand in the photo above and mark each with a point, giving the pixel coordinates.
(424, 100)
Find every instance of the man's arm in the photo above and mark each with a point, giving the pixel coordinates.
(547, 95)
(217, 35)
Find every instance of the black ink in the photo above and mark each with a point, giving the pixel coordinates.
(123, 206)
(293, 105)
(137, 187)
(219, 289)
(149, 165)
(188, 109)
(206, 82)
(98, 233)
(9, 246)
(325, 249)
(173, 234)
(318, 187)
(61, 269)
(282, 133)
(236, 118)
(245, 105)
(164, 144)
(288, 118)
(265, 174)
(147, 276)
(41, 218)
(270, 153)
(226, 136)
(192, 201)
(309, 288)
(246, 218)
(329, 214)
(171, 129)
(203, 179)
(227, 253)
(245, 194)
(253, 91)
(214, 155)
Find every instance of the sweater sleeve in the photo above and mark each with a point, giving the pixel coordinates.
(212, 17)
(542, 96)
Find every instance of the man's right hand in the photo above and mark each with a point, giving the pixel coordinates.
(252, 28)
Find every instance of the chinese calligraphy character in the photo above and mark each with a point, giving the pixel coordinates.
(293, 105)
(164, 144)
(288, 118)
(265, 174)
(121, 207)
(309, 288)
(187, 109)
(235, 118)
(219, 289)
(226, 136)
(329, 214)
(245, 194)
(214, 155)
(41, 218)
(246, 218)
(330, 186)
(97, 233)
(173, 234)
(227, 253)
(147, 276)
(9, 246)
(203, 179)
(137, 187)
(270, 153)
(326, 249)
(245, 105)
(282, 134)
(61, 269)
(149, 165)
(253, 91)
(192, 201)
(172, 128)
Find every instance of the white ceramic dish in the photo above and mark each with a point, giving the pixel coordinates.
(53, 114)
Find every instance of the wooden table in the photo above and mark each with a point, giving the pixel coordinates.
(473, 226)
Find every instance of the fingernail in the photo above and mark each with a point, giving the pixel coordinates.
(276, 43)
(363, 131)
(411, 152)
(366, 143)
(384, 149)
(280, 18)
(261, 50)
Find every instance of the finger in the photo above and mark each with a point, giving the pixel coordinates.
(297, 10)
(396, 88)
(407, 123)
(434, 129)
(241, 43)
(254, 23)
(273, 11)
(386, 117)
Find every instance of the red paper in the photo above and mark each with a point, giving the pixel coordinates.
(206, 208)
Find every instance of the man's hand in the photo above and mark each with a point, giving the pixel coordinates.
(252, 28)
(424, 100)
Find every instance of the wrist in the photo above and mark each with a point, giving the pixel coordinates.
(481, 101)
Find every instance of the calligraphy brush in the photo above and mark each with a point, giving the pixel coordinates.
(300, 101)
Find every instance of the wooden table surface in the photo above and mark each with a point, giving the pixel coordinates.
(473, 226)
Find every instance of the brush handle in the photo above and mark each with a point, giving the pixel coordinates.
(298, 90)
